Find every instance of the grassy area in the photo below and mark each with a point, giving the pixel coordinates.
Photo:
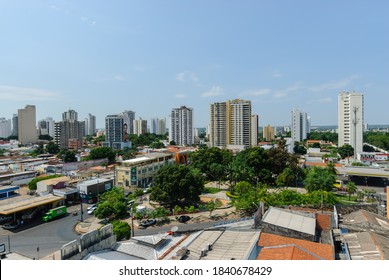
(344, 199)
(211, 190)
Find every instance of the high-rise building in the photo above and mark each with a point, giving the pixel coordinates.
(161, 130)
(129, 117)
(254, 130)
(158, 126)
(116, 135)
(5, 128)
(27, 125)
(181, 126)
(231, 123)
(69, 131)
(218, 124)
(46, 127)
(268, 133)
(350, 120)
(140, 126)
(90, 125)
(300, 125)
(15, 126)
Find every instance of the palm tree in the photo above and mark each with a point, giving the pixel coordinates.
(351, 189)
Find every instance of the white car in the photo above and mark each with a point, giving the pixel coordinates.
(91, 210)
(92, 206)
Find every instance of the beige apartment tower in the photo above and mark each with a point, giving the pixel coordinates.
(27, 132)
(268, 133)
(231, 123)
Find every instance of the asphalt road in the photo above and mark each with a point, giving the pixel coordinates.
(48, 237)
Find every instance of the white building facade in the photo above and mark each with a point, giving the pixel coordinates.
(181, 126)
(300, 126)
(351, 120)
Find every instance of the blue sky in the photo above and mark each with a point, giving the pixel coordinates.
(104, 57)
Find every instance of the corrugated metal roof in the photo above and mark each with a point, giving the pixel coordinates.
(289, 220)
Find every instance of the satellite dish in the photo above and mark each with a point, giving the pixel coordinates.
(174, 229)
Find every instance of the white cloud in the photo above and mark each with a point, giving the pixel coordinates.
(187, 76)
(215, 91)
(256, 92)
(335, 85)
(119, 78)
(277, 74)
(284, 92)
(280, 94)
(180, 96)
(11, 93)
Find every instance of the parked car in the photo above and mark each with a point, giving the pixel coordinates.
(92, 206)
(148, 222)
(91, 210)
(11, 225)
(4, 219)
(183, 219)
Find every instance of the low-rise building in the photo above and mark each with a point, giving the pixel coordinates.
(140, 171)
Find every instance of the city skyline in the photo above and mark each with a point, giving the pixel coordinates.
(148, 57)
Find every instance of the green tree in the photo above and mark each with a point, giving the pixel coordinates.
(121, 229)
(127, 153)
(45, 137)
(213, 205)
(177, 184)
(103, 152)
(346, 151)
(52, 148)
(205, 157)
(287, 178)
(218, 172)
(246, 196)
(67, 156)
(38, 151)
(321, 198)
(299, 148)
(252, 165)
(112, 204)
(157, 145)
(319, 178)
(351, 189)
(32, 185)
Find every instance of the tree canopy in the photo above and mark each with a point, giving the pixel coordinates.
(319, 178)
(177, 185)
(210, 160)
(103, 152)
(112, 204)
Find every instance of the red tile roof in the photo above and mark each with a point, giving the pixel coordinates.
(277, 247)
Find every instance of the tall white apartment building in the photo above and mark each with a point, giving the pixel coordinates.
(350, 120)
(129, 118)
(181, 126)
(140, 126)
(300, 125)
(46, 127)
(27, 132)
(231, 123)
(90, 125)
(5, 128)
(158, 126)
